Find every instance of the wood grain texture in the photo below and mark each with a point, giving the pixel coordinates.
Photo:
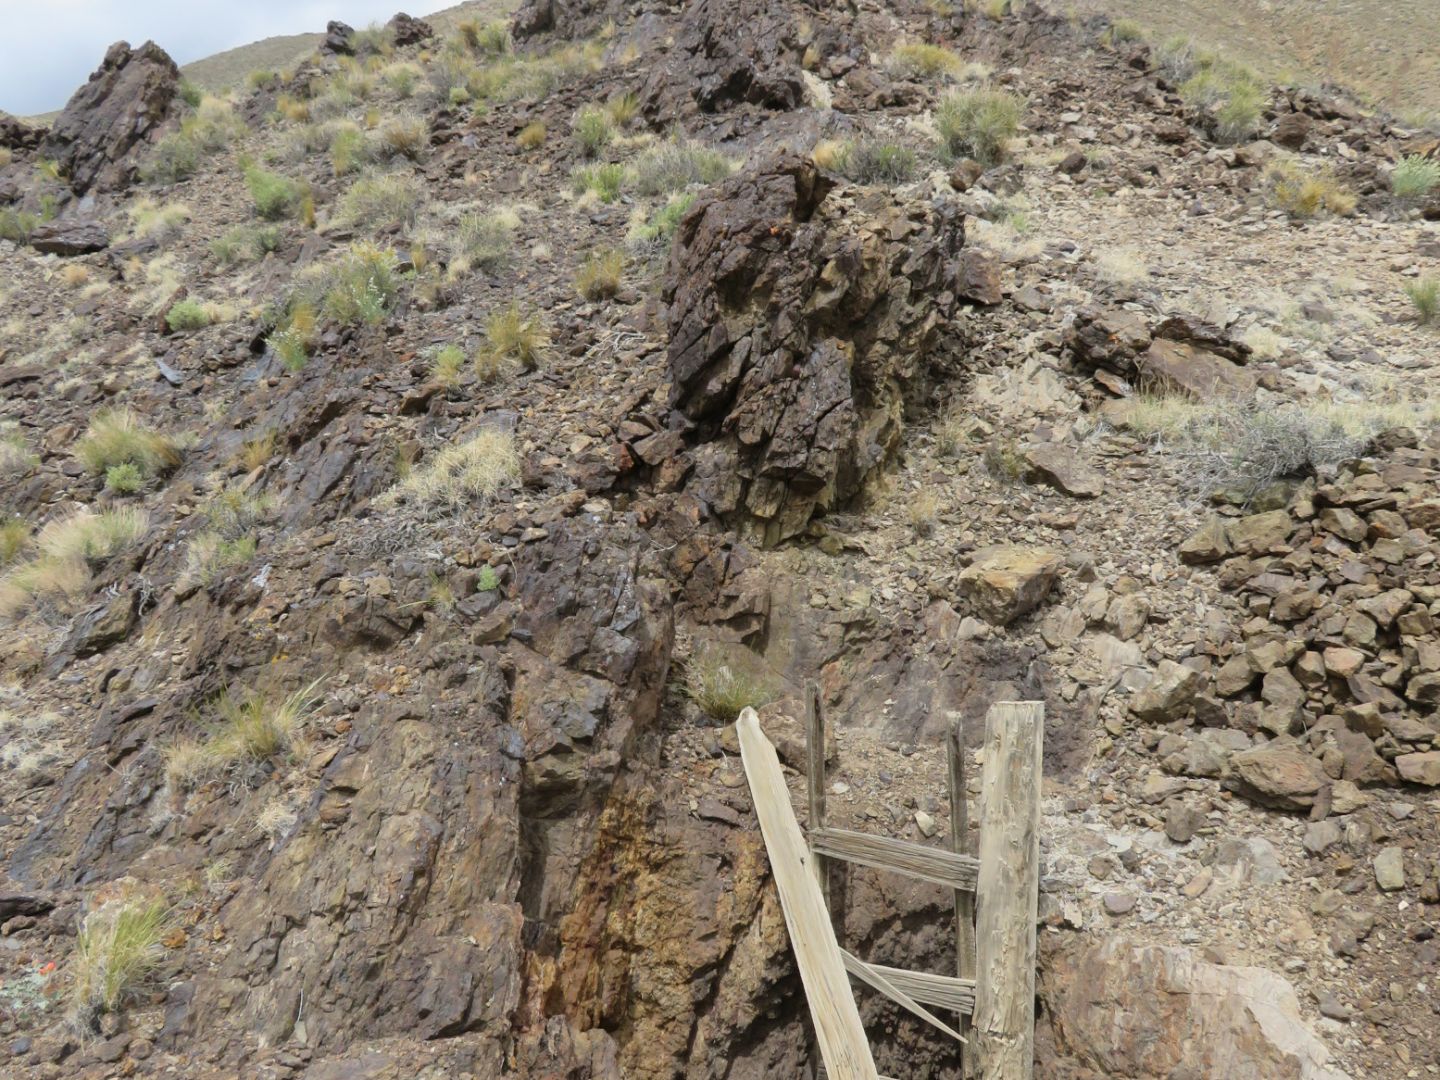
(964, 900)
(928, 863)
(1008, 891)
(838, 1030)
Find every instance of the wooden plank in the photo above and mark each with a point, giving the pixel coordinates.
(941, 991)
(1008, 890)
(964, 901)
(874, 978)
(815, 777)
(927, 863)
(838, 1030)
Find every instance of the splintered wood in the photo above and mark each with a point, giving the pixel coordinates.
(841, 1036)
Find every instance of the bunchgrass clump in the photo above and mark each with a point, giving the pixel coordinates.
(1424, 295)
(124, 479)
(1415, 177)
(532, 136)
(362, 287)
(14, 535)
(1306, 193)
(677, 164)
(119, 437)
(925, 61)
(117, 950)
(244, 243)
(602, 181)
(592, 130)
(513, 339)
(622, 108)
(16, 458)
(722, 686)
(447, 365)
(381, 201)
(17, 225)
(156, 220)
(65, 550)
(483, 242)
(402, 136)
(460, 476)
(873, 161)
(978, 123)
(295, 340)
(246, 729)
(600, 275)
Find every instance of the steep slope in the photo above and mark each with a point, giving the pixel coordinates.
(500, 412)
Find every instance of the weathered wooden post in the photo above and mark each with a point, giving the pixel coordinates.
(964, 899)
(815, 777)
(1008, 890)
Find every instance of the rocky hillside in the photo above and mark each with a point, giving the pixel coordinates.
(412, 462)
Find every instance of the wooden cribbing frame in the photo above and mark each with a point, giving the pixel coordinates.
(996, 896)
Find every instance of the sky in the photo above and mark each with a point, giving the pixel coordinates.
(49, 47)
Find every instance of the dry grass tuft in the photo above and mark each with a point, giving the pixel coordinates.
(513, 339)
(116, 951)
(723, 686)
(978, 123)
(1303, 193)
(119, 437)
(601, 274)
(460, 476)
(247, 728)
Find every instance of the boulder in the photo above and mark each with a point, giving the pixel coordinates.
(1282, 776)
(1126, 1007)
(1061, 468)
(1182, 368)
(1291, 130)
(1169, 695)
(407, 30)
(1259, 534)
(15, 134)
(339, 39)
(1421, 768)
(1208, 544)
(120, 108)
(799, 327)
(72, 236)
(1004, 583)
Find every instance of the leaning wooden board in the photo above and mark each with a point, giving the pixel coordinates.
(843, 1045)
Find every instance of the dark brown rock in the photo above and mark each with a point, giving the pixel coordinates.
(798, 328)
(407, 30)
(121, 107)
(339, 39)
(1291, 130)
(15, 134)
(74, 236)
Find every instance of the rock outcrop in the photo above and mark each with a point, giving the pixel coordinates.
(15, 134)
(406, 30)
(122, 106)
(1127, 1008)
(800, 320)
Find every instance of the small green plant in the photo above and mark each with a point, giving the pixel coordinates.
(275, 196)
(186, 315)
(512, 339)
(978, 123)
(722, 687)
(1125, 30)
(244, 243)
(118, 948)
(190, 93)
(124, 479)
(488, 580)
(373, 41)
(1415, 177)
(447, 364)
(119, 437)
(622, 108)
(1238, 117)
(14, 535)
(260, 77)
(663, 222)
(403, 136)
(600, 275)
(460, 475)
(872, 161)
(402, 79)
(603, 181)
(592, 130)
(1003, 461)
(348, 149)
(1424, 294)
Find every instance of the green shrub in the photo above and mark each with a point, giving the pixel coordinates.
(381, 201)
(187, 315)
(260, 77)
(17, 225)
(592, 130)
(402, 79)
(124, 479)
(1123, 30)
(1238, 118)
(447, 364)
(275, 196)
(362, 288)
(373, 41)
(603, 181)
(873, 162)
(1424, 294)
(190, 93)
(1415, 177)
(244, 243)
(924, 60)
(1304, 193)
(349, 149)
(978, 123)
(175, 157)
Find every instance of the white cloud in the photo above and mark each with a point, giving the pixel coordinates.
(49, 47)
